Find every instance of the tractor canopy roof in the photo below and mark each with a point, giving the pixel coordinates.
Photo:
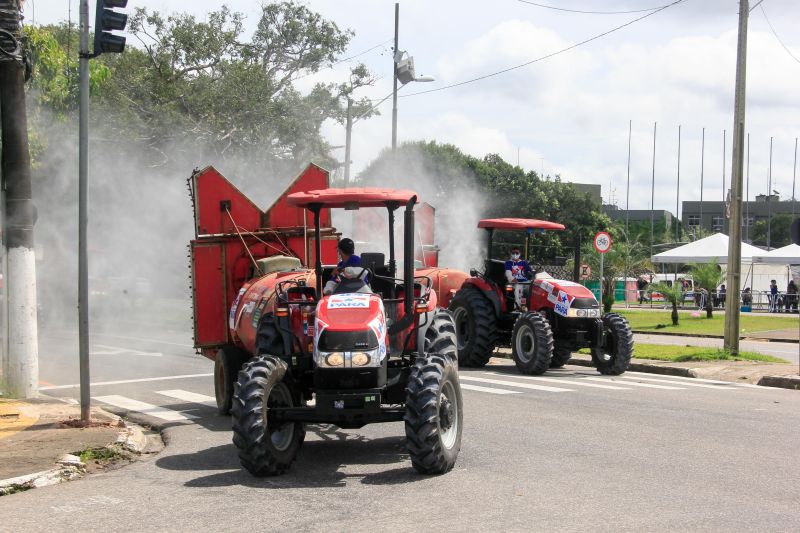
(519, 224)
(352, 198)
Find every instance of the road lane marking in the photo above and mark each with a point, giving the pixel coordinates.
(145, 408)
(562, 381)
(487, 389)
(681, 383)
(513, 384)
(117, 350)
(124, 381)
(191, 397)
(633, 384)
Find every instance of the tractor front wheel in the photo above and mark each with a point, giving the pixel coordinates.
(476, 323)
(266, 447)
(614, 356)
(532, 343)
(434, 414)
(226, 367)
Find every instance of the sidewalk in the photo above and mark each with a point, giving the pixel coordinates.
(40, 440)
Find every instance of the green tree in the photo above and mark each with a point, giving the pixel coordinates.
(779, 230)
(672, 293)
(707, 276)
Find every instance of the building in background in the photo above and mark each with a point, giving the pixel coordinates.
(593, 190)
(639, 215)
(714, 217)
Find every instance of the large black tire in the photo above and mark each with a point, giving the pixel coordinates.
(265, 449)
(476, 325)
(440, 337)
(532, 343)
(268, 338)
(226, 367)
(433, 418)
(614, 357)
(561, 354)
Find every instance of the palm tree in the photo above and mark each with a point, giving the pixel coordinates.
(625, 257)
(707, 276)
(671, 293)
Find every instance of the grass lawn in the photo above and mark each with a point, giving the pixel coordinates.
(693, 353)
(646, 321)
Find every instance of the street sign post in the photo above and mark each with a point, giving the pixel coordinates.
(602, 243)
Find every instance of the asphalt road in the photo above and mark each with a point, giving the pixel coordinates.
(569, 451)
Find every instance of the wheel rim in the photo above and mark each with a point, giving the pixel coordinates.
(448, 415)
(525, 343)
(462, 327)
(282, 435)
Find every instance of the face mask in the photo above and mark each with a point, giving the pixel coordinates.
(514, 256)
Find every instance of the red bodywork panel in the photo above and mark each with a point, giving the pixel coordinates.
(355, 197)
(446, 281)
(518, 224)
(221, 262)
(547, 293)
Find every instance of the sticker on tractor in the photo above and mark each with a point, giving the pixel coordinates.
(349, 301)
(232, 315)
(562, 303)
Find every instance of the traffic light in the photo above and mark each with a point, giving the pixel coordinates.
(105, 21)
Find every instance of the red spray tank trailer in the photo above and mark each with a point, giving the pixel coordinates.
(543, 319)
(377, 349)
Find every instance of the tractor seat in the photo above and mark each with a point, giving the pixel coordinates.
(375, 261)
(496, 271)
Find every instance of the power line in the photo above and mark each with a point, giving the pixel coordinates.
(576, 45)
(776, 35)
(592, 12)
(370, 49)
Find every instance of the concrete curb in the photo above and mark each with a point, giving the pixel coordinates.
(706, 336)
(784, 382)
(131, 437)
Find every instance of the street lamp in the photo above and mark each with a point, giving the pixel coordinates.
(403, 65)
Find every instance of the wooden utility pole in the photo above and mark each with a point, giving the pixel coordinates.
(735, 228)
(21, 368)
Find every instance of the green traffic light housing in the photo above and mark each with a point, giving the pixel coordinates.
(106, 21)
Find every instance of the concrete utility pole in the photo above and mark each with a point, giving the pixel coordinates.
(21, 370)
(348, 139)
(83, 217)
(735, 233)
(394, 76)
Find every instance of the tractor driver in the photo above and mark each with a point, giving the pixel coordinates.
(517, 270)
(348, 270)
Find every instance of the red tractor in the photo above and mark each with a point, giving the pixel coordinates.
(375, 350)
(544, 320)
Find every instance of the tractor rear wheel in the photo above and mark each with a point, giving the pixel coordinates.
(614, 356)
(266, 448)
(476, 322)
(532, 343)
(561, 354)
(440, 337)
(434, 414)
(226, 367)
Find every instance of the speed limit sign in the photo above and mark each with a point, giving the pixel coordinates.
(602, 242)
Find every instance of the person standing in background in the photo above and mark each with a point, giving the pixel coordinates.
(773, 296)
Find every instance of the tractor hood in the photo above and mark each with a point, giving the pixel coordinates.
(566, 295)
(352, 321)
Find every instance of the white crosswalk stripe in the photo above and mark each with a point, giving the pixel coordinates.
(634, 384)
(531, 386)
(722, 387)
(701, 380)
(190, 397)
(144, 408)
(467, 386)
(562, 381)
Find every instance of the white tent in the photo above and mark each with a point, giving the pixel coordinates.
(788, 255)
(706, 250)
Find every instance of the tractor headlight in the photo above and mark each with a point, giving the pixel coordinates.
(334, 359)
(360, 359)
(583, 313)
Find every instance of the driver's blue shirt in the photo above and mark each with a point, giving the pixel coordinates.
(352, 261)
(520, 270)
